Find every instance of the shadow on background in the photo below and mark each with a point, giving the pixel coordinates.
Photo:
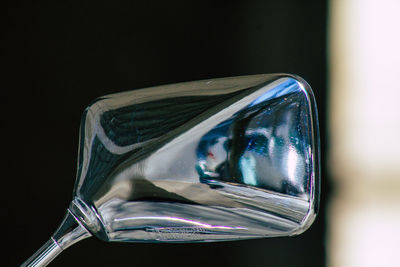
(59, 57)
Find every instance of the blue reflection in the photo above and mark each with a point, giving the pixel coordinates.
(265, 145)
(284, 88)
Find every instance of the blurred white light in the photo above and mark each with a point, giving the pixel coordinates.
(365, 132)
(365, 64)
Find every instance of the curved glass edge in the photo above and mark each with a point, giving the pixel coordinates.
(316, 153)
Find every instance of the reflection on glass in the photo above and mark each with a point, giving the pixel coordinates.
(266, 145)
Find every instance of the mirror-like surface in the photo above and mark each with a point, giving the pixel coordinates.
(217, 159)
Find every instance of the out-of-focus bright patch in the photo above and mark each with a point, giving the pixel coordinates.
(364, 222)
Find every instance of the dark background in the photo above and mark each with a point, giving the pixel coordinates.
(58, 57)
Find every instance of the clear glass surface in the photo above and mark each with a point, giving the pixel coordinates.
(220, 159)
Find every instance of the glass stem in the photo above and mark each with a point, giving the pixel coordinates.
(70, 232)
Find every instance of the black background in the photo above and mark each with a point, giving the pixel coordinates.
(59, 56)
